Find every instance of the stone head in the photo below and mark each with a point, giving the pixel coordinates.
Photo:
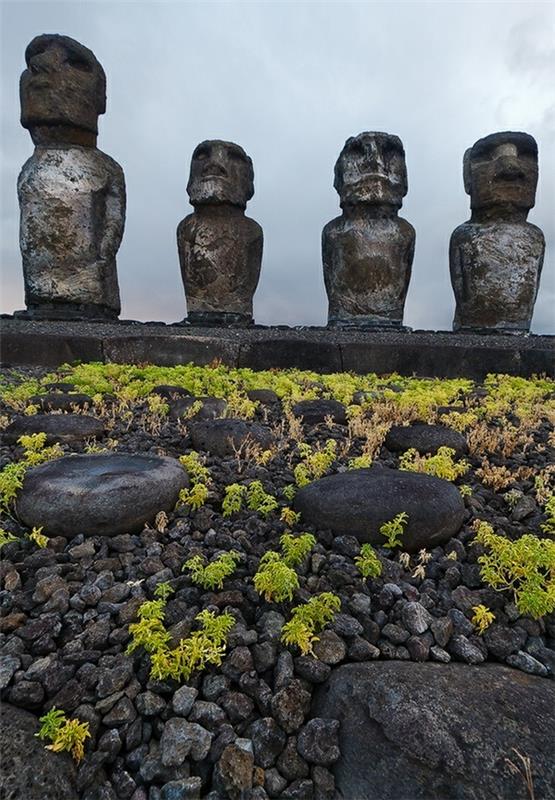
(221, 172)
(500, 170)
(371, 169)
(63, 85)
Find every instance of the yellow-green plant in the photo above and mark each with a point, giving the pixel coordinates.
(482, 618)
(465, 490)
(39, 538)
(6, 537)
(441, 465)
(195, 469)
(11, 476)
(259, 500)
(549, 510)
(204, 646)
(275, 580)
(212, 575)
(157, 405)
(289, 516)
(65, 734)
(195, 497)
(393, 530)
(315, 462)
(307, 620)
(368, 563)
(525, 566)
(234, 495)
(360, 462)
(289, 492)
(296, 548)
(163, 590)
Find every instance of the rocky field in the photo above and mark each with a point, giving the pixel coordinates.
(280, 584)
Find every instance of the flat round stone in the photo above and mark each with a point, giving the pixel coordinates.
(104, 494)
(223, 437)
(316, 411)
(60, 401)
(211, 407)
(425, 439)
(169, 392)
(358, 502)
(58, 427)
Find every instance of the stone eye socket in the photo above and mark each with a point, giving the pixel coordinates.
(78, 63)
(235, 155)
(202, 154)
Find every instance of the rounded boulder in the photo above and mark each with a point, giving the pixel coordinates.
(58, 427)
(358, 502)
(105, 494)
(425, 439)
(223, 437)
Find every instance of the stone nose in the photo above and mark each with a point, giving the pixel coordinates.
(215, 164)
(509, 168)
(372, 156)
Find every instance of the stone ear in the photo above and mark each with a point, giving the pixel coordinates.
(466, 170)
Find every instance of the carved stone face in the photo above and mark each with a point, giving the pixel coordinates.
(502, 169)
(63, 84)
(371, 169)
(221, 172)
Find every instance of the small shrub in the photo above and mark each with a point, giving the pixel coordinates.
(195, 497)
(441, 465)
(259, 500)
(196, 471)
(549, 510)
(275, 580)
(289, 516)
(6, 537)
(39, 538)
(296, 548)
(233, 499)
(315, 462)
(211, 576)
(307, 620)
(368, 563)
(65, 734)
(482, 618)
(394, 529)
(526, 567)
(163, 590)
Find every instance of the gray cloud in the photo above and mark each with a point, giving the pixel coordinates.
(290, 83)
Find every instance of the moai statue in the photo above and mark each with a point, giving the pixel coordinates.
(220, 249)
(367, 252)
(496, 258)
(71, 195)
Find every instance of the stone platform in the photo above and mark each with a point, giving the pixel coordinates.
(421, 353)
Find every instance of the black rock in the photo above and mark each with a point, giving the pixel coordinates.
(266, 397)
(407, 725)
(222, 437)
(99, 494)
(60, 401)
(210, 408)
(425, 439)
(30, 771)
(358, 502)
(268, 741)
(58, 427)
(315, 411)
(170, 392)
(318, 741)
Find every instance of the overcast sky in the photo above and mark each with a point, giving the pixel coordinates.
(291, 82)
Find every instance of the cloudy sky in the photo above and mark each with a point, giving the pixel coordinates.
(290, 81)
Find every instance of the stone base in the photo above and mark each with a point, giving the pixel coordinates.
(25, 342)
(363, 323)
(68, 311)
(225, 319)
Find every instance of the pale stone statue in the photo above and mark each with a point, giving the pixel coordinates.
(220, 249)
(367, 252)
(71, 195)
(496, 258)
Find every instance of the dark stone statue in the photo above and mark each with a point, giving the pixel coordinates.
(71, 195)
(367, 252)
(496, 258)
(220, 249)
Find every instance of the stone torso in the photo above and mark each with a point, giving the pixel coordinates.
(220, 257)
(367, 267)
(71, 225)
(495, 270)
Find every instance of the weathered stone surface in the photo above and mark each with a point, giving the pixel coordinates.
(210, 408)
(425, 439)
(368, 251)
(220, 249)
(223, 437)
(496, 257)
(104, 494)
(61, 401)
(316, 411)
(29, 771)
(425, 730)
(58, 427)
(358, 502)
(71, 195)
